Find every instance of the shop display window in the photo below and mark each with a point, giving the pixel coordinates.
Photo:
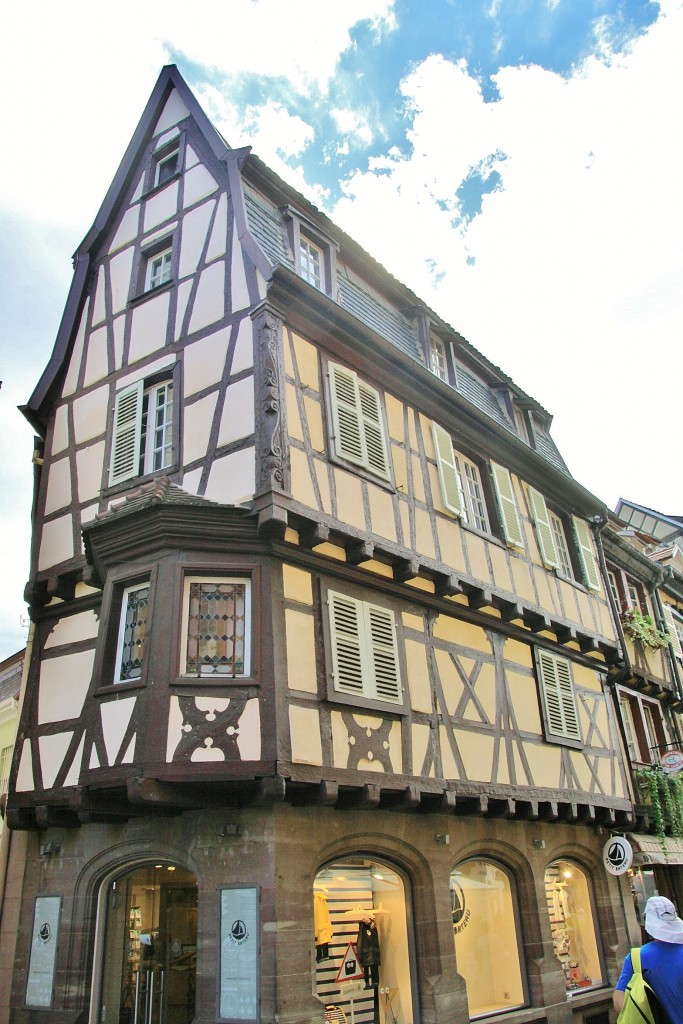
(570, 907)
(363, 957)
(487, 946)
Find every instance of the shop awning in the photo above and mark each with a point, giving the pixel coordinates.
(651, 850)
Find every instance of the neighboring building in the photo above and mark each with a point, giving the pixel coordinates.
(319, 623)
(11, 670)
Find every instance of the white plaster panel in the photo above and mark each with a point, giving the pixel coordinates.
(148, 327)
(97, 361)
(119, 326)
(174, 730)
(120, 269)
(99, 311)
(94, 759)
(167, 137)
(184, 290)
(198, 183)
(52, 753)
(58, 486)
(191, 158)
(130, 752)
(198, 420)
(191, 481)
(304, 729)
(71, 379)
(64, 683)
(115, 718)
(205, 361)
(72, 629)
(60, 433)
(128, 228)
(89, 469)
(161, 207)
(232, 478)
(150, 369)
(207, 753)
(219, 235)
(261, 284)
(56, 543)
(195, 228)
(74, 772)
(89, 513)
(237, 419)
(164, 232)
(209, 303)
(90, 415)
(24, 781)
(139, 188)
(173, 112)
(243, 353)
(240, 292)
(249, 735)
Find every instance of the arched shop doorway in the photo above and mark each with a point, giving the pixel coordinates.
(149, 947)
(364, 953)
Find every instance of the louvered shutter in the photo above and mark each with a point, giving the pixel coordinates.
(373, 429)
(590, 566)
(347, 654)
(381, 637)
(672, 631)
(555, 676)
(512, 528)
(448, 471)
(544, 532)
(348, 431)
(126, 434)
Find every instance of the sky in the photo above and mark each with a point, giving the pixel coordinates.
(516, 163)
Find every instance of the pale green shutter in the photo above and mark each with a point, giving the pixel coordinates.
(347, 653)
(448, 471)
(348, 431)
(373, 429)
(381, 642)
(126, 434)
(590, 566)
(512, 528)
(544, 531)
(557, 688)
(672, 631)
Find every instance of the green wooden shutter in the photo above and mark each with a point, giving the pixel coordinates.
(590, 566)
(544, 531)
(373, 429)
(448, 471)
(557, 688)
(347, 652)
(672, 631)
(126, 434)
(348, 431)
(381, 640)
(512, 528)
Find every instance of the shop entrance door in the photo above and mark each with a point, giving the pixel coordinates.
(150, 947)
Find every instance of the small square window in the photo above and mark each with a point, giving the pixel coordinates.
(312, 263)
(166, 167)
(216, 628)
(130, 648)
(158, 269)
(437, 352)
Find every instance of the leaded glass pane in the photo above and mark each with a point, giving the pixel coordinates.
(216, 632)
(133, 633)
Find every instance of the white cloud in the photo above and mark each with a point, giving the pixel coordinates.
(353, 125)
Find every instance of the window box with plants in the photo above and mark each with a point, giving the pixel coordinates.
(642, 627)
(664, 794)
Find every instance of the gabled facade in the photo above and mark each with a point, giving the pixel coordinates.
(322, 641)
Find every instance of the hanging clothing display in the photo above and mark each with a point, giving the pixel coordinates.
(369, 955)
(323, 926)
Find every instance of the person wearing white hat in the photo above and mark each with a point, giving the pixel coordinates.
(661, 960)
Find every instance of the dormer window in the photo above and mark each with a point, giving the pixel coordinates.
(314, 252)
(437, 354)
(312, 263)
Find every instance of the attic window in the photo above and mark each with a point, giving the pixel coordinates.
(158, 268)
(312, 263)
(314, 252)
(166, 166)
(437, 354)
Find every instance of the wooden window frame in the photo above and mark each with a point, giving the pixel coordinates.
(301, 228)
(438, 358)
(130, 450)
(160, 157)
(645, 737)
(217, 678)
(560, 708)
(107, 651)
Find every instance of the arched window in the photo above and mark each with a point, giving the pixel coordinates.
(572, 923)
(486, 931)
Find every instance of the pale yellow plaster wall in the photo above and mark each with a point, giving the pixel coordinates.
(161, 207)
(198, 420)
(128, 228)
(89, 468)
(501, 570)
(198, 184)
(209, 303)
(586, 678)
(148, 327)
(379, 568)
(71, 379)
(585, 603)
(421, 736)
(476, 551)
(425, 425)
(418, 479)
(583, 772)
(412, 430)
(524, 701)
(450, 543)
(58, 486)
(523, 586)
(304, 729)
(56, 543)
(204, 361)
(294, 426)
(545, 764)
(243, 353)
(72, 629)
(120, 270)
(115, 716)
(463, 633)
(331, 550)
(395, 411)
(232, 478)
(249, 735)
(297, 584)
(485, 689)
(219, 233)
(238, 278)
(448, 765)
(64, 683)
(60, 433)
(314, 420)
(381, 512)
(301, 481)
(399, 467)
(423, 533)
(451, 683)
(322, 475)
(417, 583)
(52, 753)
(340, 743)
(418, 677)
(90, 415)
(237, 420)
(301, 667)
(306, 356)
(349, 499)
(195, 229)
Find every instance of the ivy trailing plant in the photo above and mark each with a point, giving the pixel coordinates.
(666, 798)
(642, 627)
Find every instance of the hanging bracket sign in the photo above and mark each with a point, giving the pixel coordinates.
(617, 855)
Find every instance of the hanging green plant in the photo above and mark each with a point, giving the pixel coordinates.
(642, 627)
(676, 790)
(651, 777)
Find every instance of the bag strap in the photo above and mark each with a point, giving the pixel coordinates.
(635, 960)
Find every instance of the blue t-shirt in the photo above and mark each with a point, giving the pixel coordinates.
(662, 967)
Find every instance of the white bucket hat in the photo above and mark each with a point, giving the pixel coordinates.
(661, 921)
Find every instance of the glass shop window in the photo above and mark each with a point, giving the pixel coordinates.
(572, 923)
(361, 944)
(487, 941)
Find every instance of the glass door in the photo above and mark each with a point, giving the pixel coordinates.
(150, 947)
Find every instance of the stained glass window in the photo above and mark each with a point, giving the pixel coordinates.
(132, 632)
(217, 628)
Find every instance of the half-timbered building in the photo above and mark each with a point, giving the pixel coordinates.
(319, 709)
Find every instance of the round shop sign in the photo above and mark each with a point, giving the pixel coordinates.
(617, 855)
(672, 761)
